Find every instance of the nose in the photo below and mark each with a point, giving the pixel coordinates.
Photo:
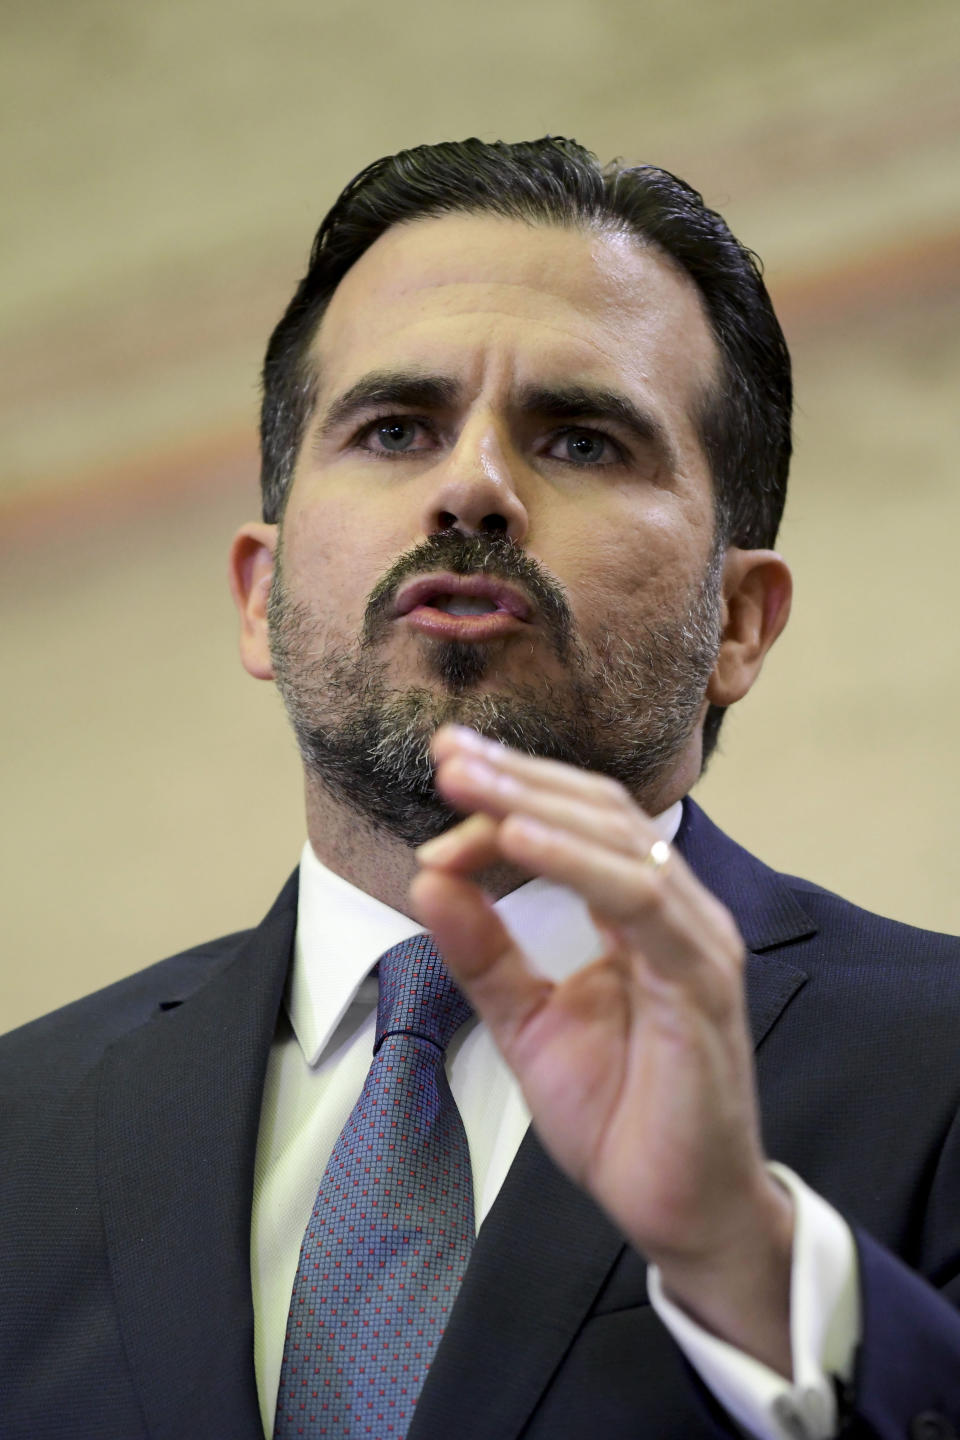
(477, 490)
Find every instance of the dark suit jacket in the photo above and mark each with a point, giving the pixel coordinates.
(128, 1138)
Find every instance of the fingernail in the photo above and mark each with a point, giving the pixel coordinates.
(436, 848)
(453, 736)
(475, 772)
(533, 829)
(469, 738)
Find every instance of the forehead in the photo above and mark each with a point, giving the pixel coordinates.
(481, 296)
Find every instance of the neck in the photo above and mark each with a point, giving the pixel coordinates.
(384, 867)
(372, 859)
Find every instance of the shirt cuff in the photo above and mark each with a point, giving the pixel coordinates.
(824, 1331)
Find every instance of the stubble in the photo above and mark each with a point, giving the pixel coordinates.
(625, 706)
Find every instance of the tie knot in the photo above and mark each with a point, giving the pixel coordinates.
(417, 995)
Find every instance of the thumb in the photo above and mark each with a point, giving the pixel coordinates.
(480, 952)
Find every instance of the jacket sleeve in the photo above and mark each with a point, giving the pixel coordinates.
(907, 1380)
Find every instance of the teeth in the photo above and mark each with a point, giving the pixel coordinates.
(463, 605)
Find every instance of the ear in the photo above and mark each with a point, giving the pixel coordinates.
(757, 590)
(251, 575)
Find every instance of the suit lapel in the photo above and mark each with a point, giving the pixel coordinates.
(520, 1305)
(764, 907)
(763, 904)
(519, 1298)
(178, 1118)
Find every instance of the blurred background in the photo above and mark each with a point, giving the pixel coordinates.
(163, 170)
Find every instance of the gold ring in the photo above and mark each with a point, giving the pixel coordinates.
(658, 855)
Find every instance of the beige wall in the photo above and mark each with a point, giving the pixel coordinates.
(164, 168)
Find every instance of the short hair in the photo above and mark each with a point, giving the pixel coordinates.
(743, 421)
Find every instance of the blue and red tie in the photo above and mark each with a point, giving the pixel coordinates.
(392, 1226)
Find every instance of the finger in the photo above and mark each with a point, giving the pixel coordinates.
(675, 923)
(470, 784)
(664, 916)
(452, 740)
(471, 845)
(480, 952)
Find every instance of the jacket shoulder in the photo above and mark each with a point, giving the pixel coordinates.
(776, 910)
(70, 1041)
(67, 1042)
(861, 926)
(873, 994)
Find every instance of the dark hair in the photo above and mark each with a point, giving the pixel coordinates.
(744, 423)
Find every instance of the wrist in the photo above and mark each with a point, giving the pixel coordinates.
(738, 1287)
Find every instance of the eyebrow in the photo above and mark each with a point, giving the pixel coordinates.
(588, 402)
(410, 388)
(413, 389)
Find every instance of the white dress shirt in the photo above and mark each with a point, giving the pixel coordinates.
(317, 1066)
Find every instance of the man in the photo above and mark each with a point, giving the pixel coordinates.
(525, 437)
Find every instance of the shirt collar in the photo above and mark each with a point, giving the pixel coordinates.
(342, 932)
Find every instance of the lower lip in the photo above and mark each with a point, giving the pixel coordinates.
(444, 626)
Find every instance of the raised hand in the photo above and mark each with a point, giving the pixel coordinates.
(637, 1069)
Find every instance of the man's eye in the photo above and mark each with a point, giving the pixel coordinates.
(394, 435)
(585, 447)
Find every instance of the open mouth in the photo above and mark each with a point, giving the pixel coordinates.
(462, 605)
(462, 595)
(472, 607)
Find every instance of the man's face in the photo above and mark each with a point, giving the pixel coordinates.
(501, 514)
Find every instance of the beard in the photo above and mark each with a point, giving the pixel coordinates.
(625, 707)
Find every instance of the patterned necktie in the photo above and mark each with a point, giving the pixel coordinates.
(392, 1225)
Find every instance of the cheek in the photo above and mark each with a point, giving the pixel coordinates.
(630, 570)
(334, 557)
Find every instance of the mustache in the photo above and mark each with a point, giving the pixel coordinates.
(472, 555)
